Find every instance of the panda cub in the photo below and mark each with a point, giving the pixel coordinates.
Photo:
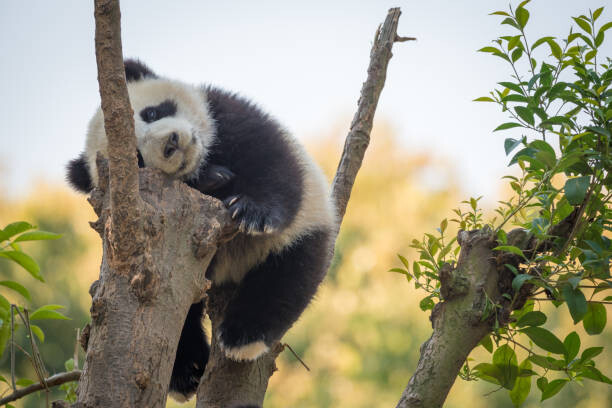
(223, 145)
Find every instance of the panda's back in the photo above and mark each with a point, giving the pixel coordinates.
(246, 138)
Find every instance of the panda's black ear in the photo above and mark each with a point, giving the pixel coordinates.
(136, 70)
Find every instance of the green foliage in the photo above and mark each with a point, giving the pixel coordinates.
(10, 238)
(560, 96)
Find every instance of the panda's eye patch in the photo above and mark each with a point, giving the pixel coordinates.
(153, 113)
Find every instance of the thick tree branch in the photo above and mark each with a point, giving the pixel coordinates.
(358, 137)
(53, 381)
(119, 126)
(150, 274)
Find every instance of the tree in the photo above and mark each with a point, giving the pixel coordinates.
(137, 311)
(561, 247)
(481, 285)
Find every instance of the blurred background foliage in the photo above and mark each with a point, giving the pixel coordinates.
(361, 335)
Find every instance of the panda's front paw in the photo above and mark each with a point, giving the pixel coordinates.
(213, 178)
(252, 218)
(239, 345)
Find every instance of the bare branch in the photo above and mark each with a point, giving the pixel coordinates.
(53, 381)
(358, 137)
(119, 126)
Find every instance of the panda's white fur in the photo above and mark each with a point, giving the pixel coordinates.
(276, 194)
(191, 120)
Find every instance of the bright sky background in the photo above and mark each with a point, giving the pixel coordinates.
(302, 61)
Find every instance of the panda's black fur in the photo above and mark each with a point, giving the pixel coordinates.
(279, 200)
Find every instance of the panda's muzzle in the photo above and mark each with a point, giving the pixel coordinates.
(172, 145)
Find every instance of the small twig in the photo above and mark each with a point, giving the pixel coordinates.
(54, 380)
(403, 39)
(76, 349)
(518, 344)
(296, 356)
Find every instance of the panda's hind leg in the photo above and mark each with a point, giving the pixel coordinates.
(191, 356)
(272, 296)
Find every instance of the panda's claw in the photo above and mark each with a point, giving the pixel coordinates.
(250, 218)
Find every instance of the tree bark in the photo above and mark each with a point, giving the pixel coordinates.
(457, 321)
(150, 274)
(137, 318)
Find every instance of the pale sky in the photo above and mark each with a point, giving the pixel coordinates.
(304, 62)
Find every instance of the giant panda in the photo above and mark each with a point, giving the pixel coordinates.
(223, 145)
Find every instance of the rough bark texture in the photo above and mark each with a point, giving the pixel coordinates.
(358, 137)
(137, 317)
(457, 321)
(126, 224)
(228, 383)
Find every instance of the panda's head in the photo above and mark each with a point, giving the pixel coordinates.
(174, 128)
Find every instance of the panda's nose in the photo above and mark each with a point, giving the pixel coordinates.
(171, 145)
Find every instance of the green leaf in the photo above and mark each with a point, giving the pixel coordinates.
(531, 319)
(597, 13)
(487, 343)
(545, 339)
(488, 372)
(605, 27)
(555, 49)
(47, 314)
(38, 332)
(25, 261)
(507, 125)
(547, 362)
(510, 144)
(37, 236)
(583, 24)
(553, 388)
(523, 3)
(576, 302)
(519, 280)
(521, 389)
(404, 261)
(500, 13)
(572, 346)
(516, 54)
(522, 16)
(489, 49)
(511, 249)
(590, 353)
(484, 99)
(599, 130)
(14, 229)
(594, 374)
(426, 303)
(505, 359)
(541, 41)
(595, 319)
(525, 113)
(576, 188)
(17, 288)
(512, 86)
(510, 21)
(24, 382)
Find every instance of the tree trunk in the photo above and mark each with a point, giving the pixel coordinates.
(137, 317)
(457, 321)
